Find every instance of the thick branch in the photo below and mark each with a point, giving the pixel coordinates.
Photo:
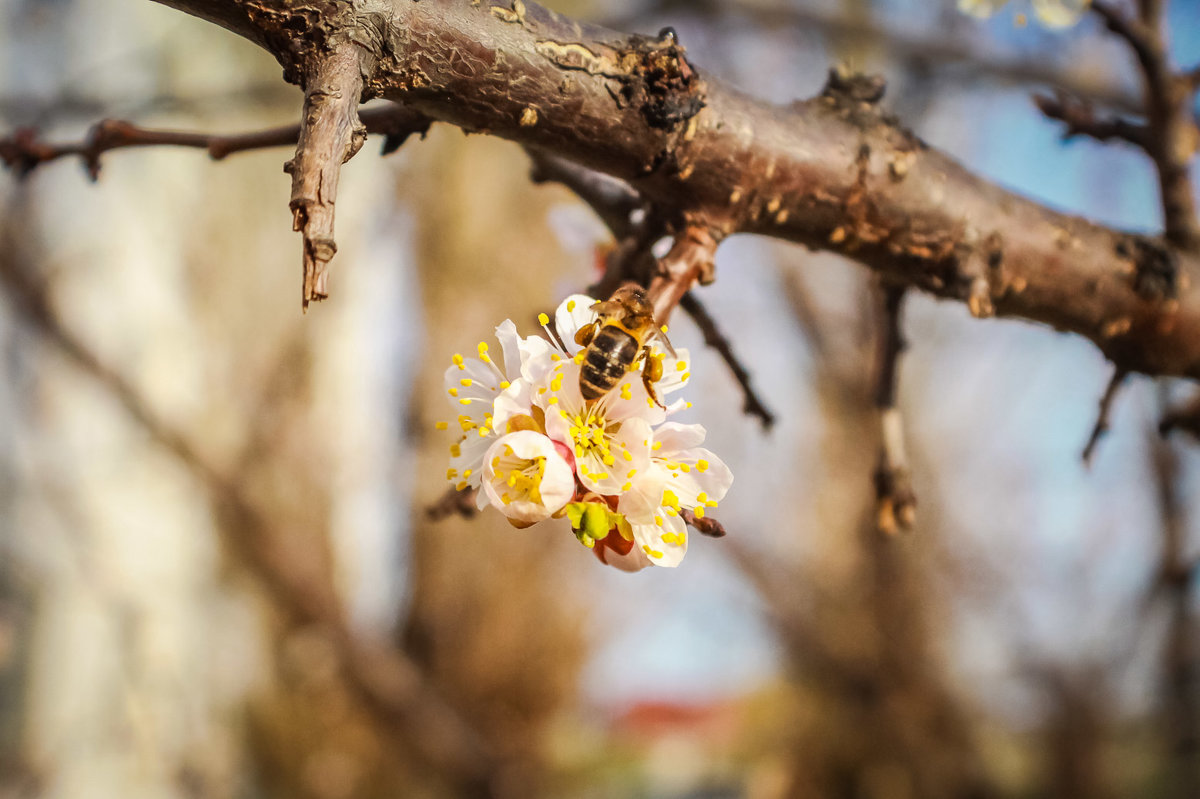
(831, 172)
(958, 56)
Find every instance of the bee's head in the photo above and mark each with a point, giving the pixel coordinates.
(632, 300)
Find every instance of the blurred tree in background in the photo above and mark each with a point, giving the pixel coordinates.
(219, 576)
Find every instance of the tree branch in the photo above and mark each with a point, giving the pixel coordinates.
(705, 526)
(1081, 120)
(832, 172)
(1171, 132)
(453, 503)
(954, 52)
(23, 152)
(1181, 650)
(330, 135)
(1106, 402)
(896, 504)
(713, 337)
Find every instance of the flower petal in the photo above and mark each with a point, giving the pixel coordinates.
(676, 437)
(573, 313)
(677, 372)
(981, 8)
(632, 561)
(513, 401)
(696, 480)
(466, 467)
(510, 343)
(1059, 13)
(665, 544)
(526, 478)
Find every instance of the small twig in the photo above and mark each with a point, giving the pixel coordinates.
(453, 503)
(896, 502)
(689, 261)
(1101, 426)
(330, 135)
(23, 151)
(1081, 120)
(714, 338)
(705, 525)
(1170, 126)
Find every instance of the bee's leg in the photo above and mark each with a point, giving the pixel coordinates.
(585, 334)
(652, 372)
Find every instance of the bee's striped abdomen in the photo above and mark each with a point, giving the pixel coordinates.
(606, 360)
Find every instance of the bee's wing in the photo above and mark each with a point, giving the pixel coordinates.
(661, 335)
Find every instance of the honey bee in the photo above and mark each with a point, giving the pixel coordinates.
(618, 342)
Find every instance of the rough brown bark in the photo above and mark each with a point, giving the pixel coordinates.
(832, 172)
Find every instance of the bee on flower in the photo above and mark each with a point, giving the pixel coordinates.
(572, 425)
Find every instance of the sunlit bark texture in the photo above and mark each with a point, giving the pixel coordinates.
(833, 172)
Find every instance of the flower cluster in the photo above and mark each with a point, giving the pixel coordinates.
(1051, 13)
(533, 447)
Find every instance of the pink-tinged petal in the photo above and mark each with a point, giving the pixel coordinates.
(526, 478)
(573, 313)
(633, 560)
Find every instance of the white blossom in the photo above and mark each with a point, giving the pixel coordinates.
(526, 476)
(613, 467)
(1051, 13)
